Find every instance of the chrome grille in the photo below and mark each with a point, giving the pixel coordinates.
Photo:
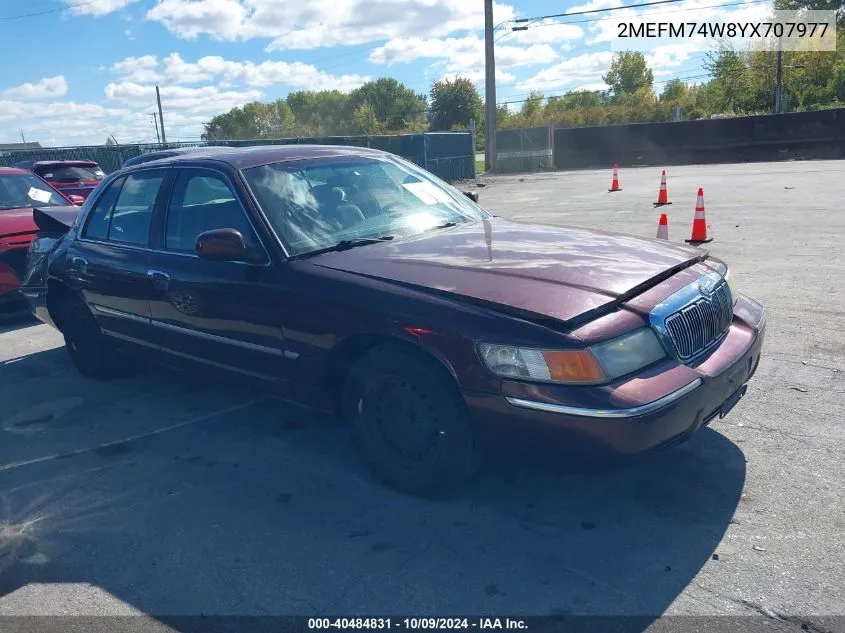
(701, 323)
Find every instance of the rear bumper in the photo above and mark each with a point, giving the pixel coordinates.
(706, 393)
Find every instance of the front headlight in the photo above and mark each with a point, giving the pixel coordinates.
(596, 364)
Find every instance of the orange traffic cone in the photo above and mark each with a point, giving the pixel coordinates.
(663, 227)
(699, 224)
(663, 196)
(614, 186)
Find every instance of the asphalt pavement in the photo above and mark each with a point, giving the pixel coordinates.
(165, 494)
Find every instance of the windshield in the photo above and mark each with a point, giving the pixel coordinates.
(71, 173)
(18, 191)
(318, 203)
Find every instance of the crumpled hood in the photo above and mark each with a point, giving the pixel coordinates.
(559, 272)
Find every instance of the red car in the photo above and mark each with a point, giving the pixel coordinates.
(76, 179)
(20, 191)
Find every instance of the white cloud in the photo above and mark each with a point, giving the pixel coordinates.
(478, 76)
(201, 100)
(176, 71)
(98, 7)
(582, 68)
(47, 88)
(460, 54)
(138, 69)
(267, 73)
(320, 23)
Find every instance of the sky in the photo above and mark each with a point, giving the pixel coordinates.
(77, 71)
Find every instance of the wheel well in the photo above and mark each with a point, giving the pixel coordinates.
(57, 294)
(347, 353)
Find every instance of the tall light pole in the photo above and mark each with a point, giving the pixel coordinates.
(778, 74)
(161, 116)
(489, 87)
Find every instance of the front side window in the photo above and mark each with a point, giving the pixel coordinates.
(318, 203)
(203, 201)
(18, 191)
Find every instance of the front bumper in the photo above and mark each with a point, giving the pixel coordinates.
(655, 409)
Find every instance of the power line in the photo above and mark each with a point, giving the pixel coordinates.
(563, 15)
(646, 13)
(48, 11)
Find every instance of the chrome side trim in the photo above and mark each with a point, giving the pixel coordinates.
(120, 314)
(608, 413)
(217, 339)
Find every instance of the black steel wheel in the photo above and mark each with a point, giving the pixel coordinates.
(409, 421)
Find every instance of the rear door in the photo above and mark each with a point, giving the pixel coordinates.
(225, 314)
(110, 260)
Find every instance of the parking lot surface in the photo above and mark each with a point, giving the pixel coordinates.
(167, 495)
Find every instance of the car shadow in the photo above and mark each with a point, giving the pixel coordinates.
(263, 509)
(17, 320)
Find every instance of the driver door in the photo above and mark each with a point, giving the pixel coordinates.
(221, 313)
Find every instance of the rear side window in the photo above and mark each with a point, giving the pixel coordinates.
(98, 222)
(70, 173)
(133, 211)
(124, 212)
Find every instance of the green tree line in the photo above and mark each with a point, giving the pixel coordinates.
(738, 82)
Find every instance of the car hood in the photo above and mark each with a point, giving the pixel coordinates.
(16, 222)
(557, 272)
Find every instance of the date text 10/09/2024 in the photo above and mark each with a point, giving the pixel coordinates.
(430, 624)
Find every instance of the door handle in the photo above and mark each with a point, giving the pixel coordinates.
(80, 262)
(159, 278)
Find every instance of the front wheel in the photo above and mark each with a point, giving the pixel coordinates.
(409, 422)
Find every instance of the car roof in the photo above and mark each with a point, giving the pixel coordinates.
(167, 153)
(80, 163)
(245, 157)
(8, 171)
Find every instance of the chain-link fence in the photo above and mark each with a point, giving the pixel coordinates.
(448, 155)
(525, 149)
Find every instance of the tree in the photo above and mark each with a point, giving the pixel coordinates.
(532, 109)
(814, 5)
(110, 142)
(253, 121)
(392, 105)
(628, 73)
(674, 92)
(454, 103)
(318, 112)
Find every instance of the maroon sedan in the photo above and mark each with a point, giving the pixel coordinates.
(20, 191)
(76, 179)
(359, 283)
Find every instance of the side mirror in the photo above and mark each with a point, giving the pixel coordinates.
(77, 200)
(472, 195)
(224, 245)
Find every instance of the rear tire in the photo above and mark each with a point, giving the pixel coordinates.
(409, 422)
(89, 349)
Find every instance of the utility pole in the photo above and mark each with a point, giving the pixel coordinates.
(23, 138)
(778, 75)
(489, 87)
(155, 120)
(160, 116)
